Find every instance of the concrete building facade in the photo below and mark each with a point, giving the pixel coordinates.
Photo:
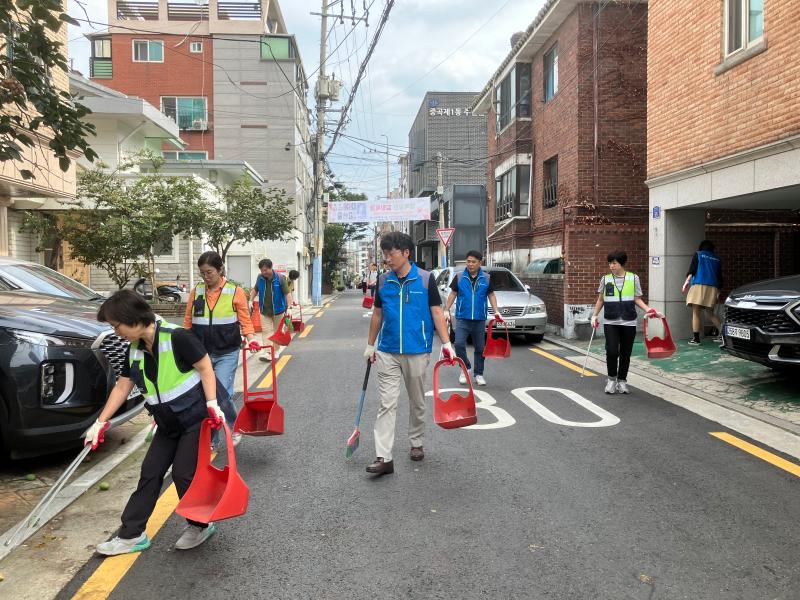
(567, 151)
(723, 143)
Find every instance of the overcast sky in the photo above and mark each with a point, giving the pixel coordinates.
(418, 35)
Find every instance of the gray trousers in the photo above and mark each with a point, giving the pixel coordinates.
(393, 371)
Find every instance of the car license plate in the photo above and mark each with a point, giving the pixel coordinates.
(737, 332)
(506, 324)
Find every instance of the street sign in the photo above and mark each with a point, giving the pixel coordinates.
(445, 234)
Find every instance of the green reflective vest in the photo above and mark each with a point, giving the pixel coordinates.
(619, 304)
(218, 329)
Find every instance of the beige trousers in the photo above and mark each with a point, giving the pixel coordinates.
(269, 325)
(393, 371)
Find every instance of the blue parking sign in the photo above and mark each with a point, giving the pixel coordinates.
(656, 212)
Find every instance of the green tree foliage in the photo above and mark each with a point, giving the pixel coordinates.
(30, 103)
(119, 217)
(245, 213)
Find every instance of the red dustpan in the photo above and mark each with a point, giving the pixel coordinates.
(367, 301)
(497, 347)
(657, 338)
(214, 494)
(297, 322)
(260, 414)
(456, 410)
(284, 334)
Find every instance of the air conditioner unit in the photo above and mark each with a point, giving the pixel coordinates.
(200, 124)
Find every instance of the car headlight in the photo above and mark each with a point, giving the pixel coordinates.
(41, 339)
(532, 309)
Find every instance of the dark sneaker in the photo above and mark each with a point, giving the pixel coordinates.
(694, 343)
(381, 467)
(417, 453)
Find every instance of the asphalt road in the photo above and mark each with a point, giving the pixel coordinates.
(648, 506)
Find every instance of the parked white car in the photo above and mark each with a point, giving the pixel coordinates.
(523, 312)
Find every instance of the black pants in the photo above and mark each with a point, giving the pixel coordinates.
(619, 345)
(181, 453)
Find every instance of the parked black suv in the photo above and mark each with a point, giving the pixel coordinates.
(57, 366)
(762, 322)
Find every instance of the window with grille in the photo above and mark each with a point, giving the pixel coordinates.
(550, 172)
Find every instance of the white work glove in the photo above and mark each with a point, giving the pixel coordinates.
(369, 353)
(448, 352)
(215, 413)
(96, 434)
(595, 321)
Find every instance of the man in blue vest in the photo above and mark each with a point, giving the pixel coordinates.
(407, 309)
(274, 298)
(471, 289)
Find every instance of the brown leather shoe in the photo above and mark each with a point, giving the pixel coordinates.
(379, 467)
(417, 453)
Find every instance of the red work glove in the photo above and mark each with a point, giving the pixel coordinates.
(254, 346)
(653, 313)
(498, 318)
(215, 414)
(96, 434)
(448, 352)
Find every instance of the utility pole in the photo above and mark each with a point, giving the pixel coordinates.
(388, 190)
(319, 156)
(440, 194)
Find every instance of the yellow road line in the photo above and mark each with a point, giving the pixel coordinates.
(266, 383)
(771, 458)
(108, 575)
(306, 331)
(562, 362)
(320, 313)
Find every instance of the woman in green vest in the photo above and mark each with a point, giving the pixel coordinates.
(619, 294)
(172, 369)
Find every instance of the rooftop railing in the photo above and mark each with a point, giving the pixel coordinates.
(137, 11)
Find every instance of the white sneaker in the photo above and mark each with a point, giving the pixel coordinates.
(480, 380)
(611, 386)
(462, 379)
(120, 545)
(193, 536)
(236, 437)
(622, 387)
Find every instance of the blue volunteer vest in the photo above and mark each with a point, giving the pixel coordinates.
(278, 299)
(407, 326)
(709, 269)
(471, 302)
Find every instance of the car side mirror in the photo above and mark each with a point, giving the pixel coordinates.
(528, 288)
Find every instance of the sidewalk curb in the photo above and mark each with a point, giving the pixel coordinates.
(73, 491)
(748, 412)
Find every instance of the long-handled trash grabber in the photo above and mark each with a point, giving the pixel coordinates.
(589, 347)
(352, 441)
(33, 518)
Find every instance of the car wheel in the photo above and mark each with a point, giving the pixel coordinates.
(534, 338)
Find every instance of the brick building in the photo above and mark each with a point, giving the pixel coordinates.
(231, 77)
(723, 142)
(566, 133)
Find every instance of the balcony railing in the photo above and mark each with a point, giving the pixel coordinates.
(238, 11)
(100, 68)
(187, 11)
(137, 11)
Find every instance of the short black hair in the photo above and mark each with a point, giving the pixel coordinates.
(212, 259)
(707, 245)
(265, 262)
(127, 308)
(476, 254)
(618, 255)
(395, 240)
(294, 275)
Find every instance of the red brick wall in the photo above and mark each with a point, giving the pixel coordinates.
(694, 115)
(181, 74)
(550, 289)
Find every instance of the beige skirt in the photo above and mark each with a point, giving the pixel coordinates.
(702, 295)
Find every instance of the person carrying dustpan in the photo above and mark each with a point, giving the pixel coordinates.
(217, 313)
(472, 291)
(171, 367)
(619, 294)
(274, 298)
(407, 309)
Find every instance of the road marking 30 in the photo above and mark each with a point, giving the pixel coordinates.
(306, 331)
(486, 402)
(606, 418)
(267, 381)
(562, 362)
(771, 458)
